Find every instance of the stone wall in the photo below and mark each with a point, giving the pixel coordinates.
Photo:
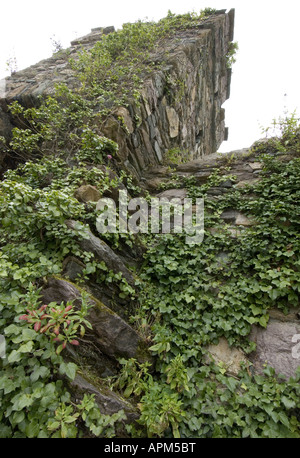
(181, 105)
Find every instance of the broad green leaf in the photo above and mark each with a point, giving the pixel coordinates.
(263, 321)
(27, 347)
(39, 372)
(14, 356)
(12, 329)
(68, 369)
(288, 403)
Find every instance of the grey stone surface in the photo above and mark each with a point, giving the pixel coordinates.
(103, 252)
(108, 401)
(231, 358)
(173, 194)
(87, 193)
(278, 345)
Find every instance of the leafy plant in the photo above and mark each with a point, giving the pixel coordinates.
(176, 156)
(95, 148)
(284, 132)
(196, 299)
(231, 54)
(189, 296)
(60, 322)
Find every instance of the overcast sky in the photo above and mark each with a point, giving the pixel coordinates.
(265, 78)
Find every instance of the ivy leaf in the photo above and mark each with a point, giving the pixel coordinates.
(27, 347)
(39, 372)
(263, 321)
(231, 383)
(28, 334)
(14, 356)
(284, 419)
(21, 401)
(68, 369)
(189, 298)
(288, 403)
(255, 310)
(43, 260)
(12, 329)
(32, 429)
(17, 275)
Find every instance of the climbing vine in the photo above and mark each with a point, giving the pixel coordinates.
(220, 289)
(189, 296)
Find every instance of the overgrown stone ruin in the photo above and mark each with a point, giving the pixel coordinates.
(180, 109)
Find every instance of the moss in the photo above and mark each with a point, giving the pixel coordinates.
(92, 299)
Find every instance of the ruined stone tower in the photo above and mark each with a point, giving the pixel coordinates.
(180, 104)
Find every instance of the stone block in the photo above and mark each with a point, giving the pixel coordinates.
(87, 193)
(112, 335)
(231, 358)
(173, 120)
(277, 345)
(108, 401)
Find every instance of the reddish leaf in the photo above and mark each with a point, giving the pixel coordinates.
(37, 326)
(74, 342)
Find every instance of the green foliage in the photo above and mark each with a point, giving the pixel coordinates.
(177, 375)
(176, 156)
(133, 377)
(95, 148)
(53, 128)
(112, 72)
(231, 53)
(36, 200)
(160, 406)
(110, 75)
(161, 409)
(62, 425)
(249, 406)
(285, 133)
(190, 295)
(60, 322)
(220, 289)
(34, 399)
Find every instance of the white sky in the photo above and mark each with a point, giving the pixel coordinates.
(265, 78)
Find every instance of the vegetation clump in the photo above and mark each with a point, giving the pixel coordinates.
(188, 296)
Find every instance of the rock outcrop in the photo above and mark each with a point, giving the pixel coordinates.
(180, 108)
(180, 105)
(114, 337)
(278, 344)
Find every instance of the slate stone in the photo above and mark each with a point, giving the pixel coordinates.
(112, 335)
(87, 193)
(278, 345)
(173, 193)
(172, 98)
(108, 401)
(229, 216)
(103, 252)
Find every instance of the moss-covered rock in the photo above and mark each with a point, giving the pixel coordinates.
(112, 335)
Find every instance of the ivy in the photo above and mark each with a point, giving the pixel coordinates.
(220, 289)
(189, 296)
(36, 200)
